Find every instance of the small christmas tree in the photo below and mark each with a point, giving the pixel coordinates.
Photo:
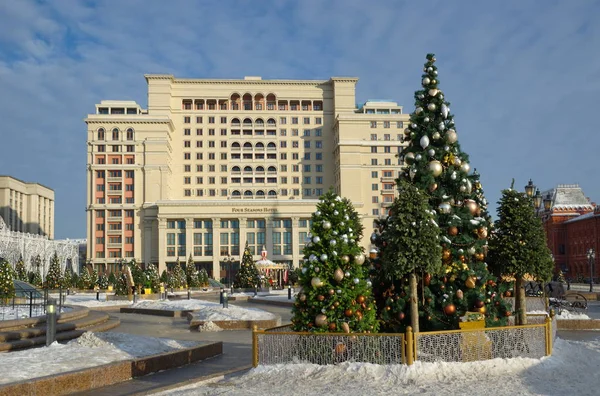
(409, 246)
(203, 277)
(7, 286)
(21, 272)
(336, 294)
(121, 288)
(85, 279)
(67, 279)
(139, 278)
(112, 279)
(518, 245)
(191, 275)
(102, 282)
(152, 278)
(54, 278)
(94, 278)
(178, 276)
(247, 276)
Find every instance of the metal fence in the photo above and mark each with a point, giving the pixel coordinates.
(280, 345)
(29, 304)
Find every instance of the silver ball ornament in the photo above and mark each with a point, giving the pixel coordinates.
(316, 239)
(318, 213)
(335, 213)
(424, 142)
(426, 81)
(369, 283)
(426, 119)
(431, 106)
(333, 242)
(356, 281)
(436, 136)
(326, 225)
(444, 208)
(418, 157)
(418, 110)
(317, 269)
(347, 274)
(431, 152)
(323, 257)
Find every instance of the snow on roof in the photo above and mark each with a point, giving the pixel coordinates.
(568, 196)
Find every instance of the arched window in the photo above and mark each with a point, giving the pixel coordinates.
(115, 134)
(130, 134)
(259, 146)
(235, 169)
(247, 122)
(101, 134)
(272, 193)
(236, 193)
(272, 169)
(260, 193)
(235, 102)
(248, 169)
(235, 145)
(235, 122)
(271, 146)
(259, 122)
(260, 169)
(247, 146)
(247, 193)
(271, 122)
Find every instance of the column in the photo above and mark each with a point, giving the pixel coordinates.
(216, 247)
(243, 230)
(295, 242)
(147, 241)
(189, 238)
(268, 236)
(162, 245)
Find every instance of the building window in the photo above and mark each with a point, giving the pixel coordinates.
(373, 161)
(399, 124)
(318, 156)
(374, 174)
(294, 120)
(187, 143)
(374, 187)
(387, 149)
(375, 212)
(386, 124)
(199, 132)
(187, 156)
(306, 120)
(187, 120)
(199, 143)
(199, 156)
(373, 136)
(318, 120)
(374, 149)
(375, 199)
(319, 144)
(223, 120)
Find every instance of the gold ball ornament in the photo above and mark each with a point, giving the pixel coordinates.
(470, 282)
(332, 326)
(360, 299)
(348, 312)
(345, 327)
(345, 259)
(359, 259)
(338, 274)
(450, 309)
(482, 233)
(472, 206)
(446, 254)
(482, 310)
(321, 320)
(435, 167)
(433, 187)
(452, 230)
(302, 297)
(331, 292)
(316, 282)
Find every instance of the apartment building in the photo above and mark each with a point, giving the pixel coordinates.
(212, 164)
(27, 207)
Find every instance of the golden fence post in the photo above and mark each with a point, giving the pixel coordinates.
(409, 346)
(548, 336)
(254, 346)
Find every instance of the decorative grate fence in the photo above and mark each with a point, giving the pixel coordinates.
(280, 345)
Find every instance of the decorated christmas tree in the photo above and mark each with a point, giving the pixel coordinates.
(85, 279)
(102, 282)
(437, 165)
(54, 278)
(152, 278)
(178, 276)
(518, 245)
(203, 277)
(20, 271)
(139, 278)
(408, 246)
(247, 276)
(7, 286)
(67, 278)
(121, 288)
(336, 292)
(112, 279)
(94, 277)
(191, 275)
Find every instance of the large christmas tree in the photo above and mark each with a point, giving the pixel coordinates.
(54, 278)
(7, 286)
(336, 292)
(247, 276)
(438, 166)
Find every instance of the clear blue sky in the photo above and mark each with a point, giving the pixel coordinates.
(522, 76)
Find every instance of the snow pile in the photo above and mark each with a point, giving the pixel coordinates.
(206, 310)
(571, 370)
(572, 315)
(22, 312)
(89, 300)
(209, 326)
(89, 350)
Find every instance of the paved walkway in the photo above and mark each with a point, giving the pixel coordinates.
(237, 351)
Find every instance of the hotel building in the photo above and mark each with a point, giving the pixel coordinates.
(27, 207)
(213, 164)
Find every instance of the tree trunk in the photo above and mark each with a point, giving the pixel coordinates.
(414, 305)
(520, 302)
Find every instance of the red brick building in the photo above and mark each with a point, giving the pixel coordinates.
(572, 225)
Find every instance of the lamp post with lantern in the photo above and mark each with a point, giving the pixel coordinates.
(591, 255)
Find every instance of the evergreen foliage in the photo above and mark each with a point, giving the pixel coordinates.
(191, 275)
(102, 282)
(85, 279)
(7, 285)
(247, 277)
(437, 166)
(121, 288)
(409, 243)
(21, 271)
(112, 279)
(67, 278)
(336, 294)
(94, 278)
(54, 278)
(139, 278)
(152, 278)
(74, 280)
(203, 277)
(177, 276)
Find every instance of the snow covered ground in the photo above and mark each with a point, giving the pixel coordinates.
(206, 310)
(89, 350)
(572, 369)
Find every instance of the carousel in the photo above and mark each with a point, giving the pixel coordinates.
(271, 274)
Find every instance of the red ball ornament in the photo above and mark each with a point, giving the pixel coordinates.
(348, 312)
(450, 309)
(360, 299)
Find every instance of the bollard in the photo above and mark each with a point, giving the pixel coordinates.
(225, 300)
(50, 321)
(189, 294)
(255, 290)
(221, 296)
(134, 296)
(31, 304)
(97, 295)
(163, 294)
(289, 292)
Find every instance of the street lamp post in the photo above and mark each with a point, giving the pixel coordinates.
(591, 255)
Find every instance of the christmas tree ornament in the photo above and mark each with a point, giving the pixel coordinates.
(331, 326)
(335, 213)
(426, 119)
(419, 110)
(345, 327)
(316, 282)
(348, 312)
(421, 96)
(471, 250)
(356, 281)
(333, 242)
(453, 230)
(323, 257)
(453, 176)
(369, 284)
(430, 69)
(446, 148)
(360, 299)
(433, 92)
(435, 167)
(446, 254)
(450, 309)
(457, 161)
(472, 206)
(431, 106)
(463, 188)
(424, 142)
(470, 282)
(318, 213)
(302, 297)
(334, 232)
(413, 126)
(326, 225)
(321, 298)
(321, 320)
(359, 259)
(459, 294)
(316, 239)
(418, 157)
(331, 292)
(338, 291)
(345, 259)
(433, 81)
(338, 275)
(444, 208)
(436, 136)
(347, 274)
(304, 270)
(451, 136)
(444, 109)
(317, 269)
(433, 187)
(482, 233)
(465, 167)
(426, 81)
(441, 127)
